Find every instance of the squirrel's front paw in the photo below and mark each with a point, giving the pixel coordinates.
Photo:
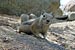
(41, 36)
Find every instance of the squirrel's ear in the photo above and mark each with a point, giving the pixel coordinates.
(52, 14)
(43, 11)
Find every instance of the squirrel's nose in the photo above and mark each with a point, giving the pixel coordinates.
(47, 20)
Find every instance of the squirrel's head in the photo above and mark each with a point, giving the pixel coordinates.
(47, 18)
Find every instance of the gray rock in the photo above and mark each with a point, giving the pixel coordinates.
(64, 32)
(24, 42)
(18, 7)
(71, 15)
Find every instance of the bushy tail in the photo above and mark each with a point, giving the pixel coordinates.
(24, 17)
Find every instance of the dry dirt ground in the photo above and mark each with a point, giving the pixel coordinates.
(61, 36)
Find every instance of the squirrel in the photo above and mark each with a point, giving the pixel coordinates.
(38, 26)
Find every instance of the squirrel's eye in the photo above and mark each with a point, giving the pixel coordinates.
(43, 15)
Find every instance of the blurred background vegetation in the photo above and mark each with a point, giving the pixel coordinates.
(17, 7)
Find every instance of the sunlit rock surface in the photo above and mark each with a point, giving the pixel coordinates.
(70, 6)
